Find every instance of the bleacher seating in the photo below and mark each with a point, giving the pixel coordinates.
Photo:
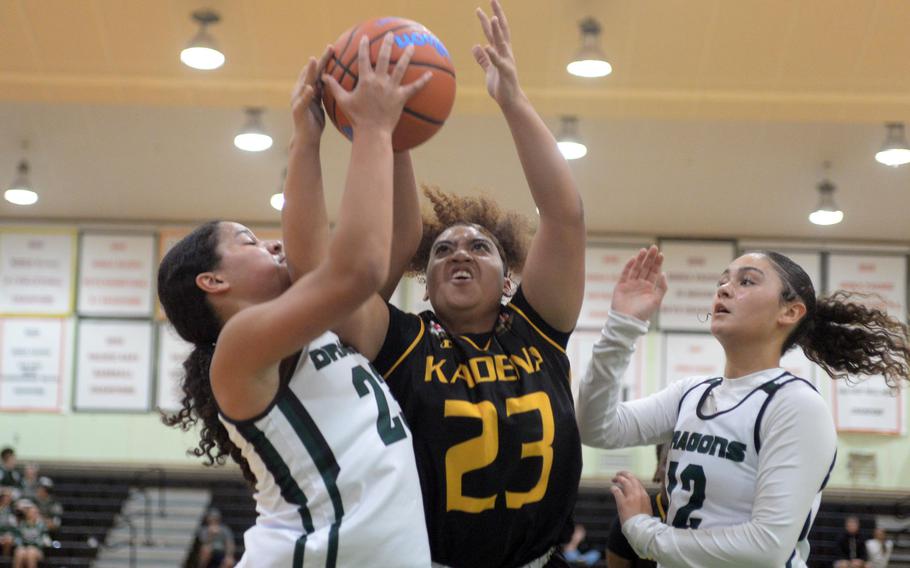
(93, 497)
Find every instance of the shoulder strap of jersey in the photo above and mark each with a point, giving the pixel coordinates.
(772, 387)
(711, 382)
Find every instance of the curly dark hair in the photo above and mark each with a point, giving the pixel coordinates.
(509, 231)
(839, 333)
(191, 314)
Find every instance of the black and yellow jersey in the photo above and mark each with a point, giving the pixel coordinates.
(493, 420)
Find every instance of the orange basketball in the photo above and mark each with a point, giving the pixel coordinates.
(426, 111)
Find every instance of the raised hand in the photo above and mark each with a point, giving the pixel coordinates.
(631, 497)
(641, 286)
(306, 100)
(379, 97)
(496, 57)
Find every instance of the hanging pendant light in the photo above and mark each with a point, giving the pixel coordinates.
(590, 60)
(827, 212)
(568, 141)
(202, 52)
(253, 137)
(895, 151)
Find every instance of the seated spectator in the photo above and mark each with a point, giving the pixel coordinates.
(32, 538)
(9, 475)
(216, 542)
(8, 525)
(851, 548)
(572, 550)
(879, 548)
(51, 511)
(30, 481)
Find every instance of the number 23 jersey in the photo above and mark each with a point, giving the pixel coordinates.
(495, 437)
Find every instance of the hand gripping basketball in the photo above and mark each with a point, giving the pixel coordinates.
(379, 97)
(426, 111)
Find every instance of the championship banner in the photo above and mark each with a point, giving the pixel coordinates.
(603, 267)
(691, 355)
(36, 272)
(693, 269)
(579, 351)
(116, 275)
(113, 365)
(32, 364)
(866, 404)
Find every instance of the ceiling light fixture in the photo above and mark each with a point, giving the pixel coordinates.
(20, 192)
(202, 52)
(253, 137)
(827, 212)
(568, 141)
(895, 151)
(590, 60)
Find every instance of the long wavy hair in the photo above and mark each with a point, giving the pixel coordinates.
(840, 334)
(191, 314)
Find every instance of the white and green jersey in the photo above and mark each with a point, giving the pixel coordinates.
(336, 481)
(748, 457)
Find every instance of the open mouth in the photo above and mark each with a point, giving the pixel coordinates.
(462, 275)
(719, 309)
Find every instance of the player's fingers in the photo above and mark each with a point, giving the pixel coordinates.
(635, 273)
(332, 85)
(324, 60)
(503, 22)
(627, 269)
(402, 65)
(385, 52)
(480, 56)
(363, 56)
(499, 39)
(485, 24)
(412, 89)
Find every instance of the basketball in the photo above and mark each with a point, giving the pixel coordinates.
(426, 111)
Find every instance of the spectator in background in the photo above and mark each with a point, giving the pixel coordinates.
(850, 546)
(51, 511)
(9, 476)
(30, 481)
(8, 530)
(878, 549)
(572, 549)
(32, 538)
(216, 543)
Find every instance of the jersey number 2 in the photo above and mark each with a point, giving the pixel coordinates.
(478, 453)
(390, 429)
(692, 479)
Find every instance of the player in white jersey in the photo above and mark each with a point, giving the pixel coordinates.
(307, 419)
(750, 451)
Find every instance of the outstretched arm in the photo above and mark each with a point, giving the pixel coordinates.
(604, 421)
(256, 338)
(304, 222)
(554, 273)
(408, 225)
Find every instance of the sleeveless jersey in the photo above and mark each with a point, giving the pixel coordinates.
(495, 436)
(712, 464)
(336, 482)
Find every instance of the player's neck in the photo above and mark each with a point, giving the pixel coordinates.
(469, 321)
(748, 359)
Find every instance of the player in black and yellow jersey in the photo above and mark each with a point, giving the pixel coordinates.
(483, 386)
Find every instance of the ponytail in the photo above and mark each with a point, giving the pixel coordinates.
(840, 334)
(198, 403)
(849, 338)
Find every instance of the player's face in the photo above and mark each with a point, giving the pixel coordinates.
(747, 304)
(256, 269)
(465, 270)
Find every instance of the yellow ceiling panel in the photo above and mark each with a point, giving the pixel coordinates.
(69, 36)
